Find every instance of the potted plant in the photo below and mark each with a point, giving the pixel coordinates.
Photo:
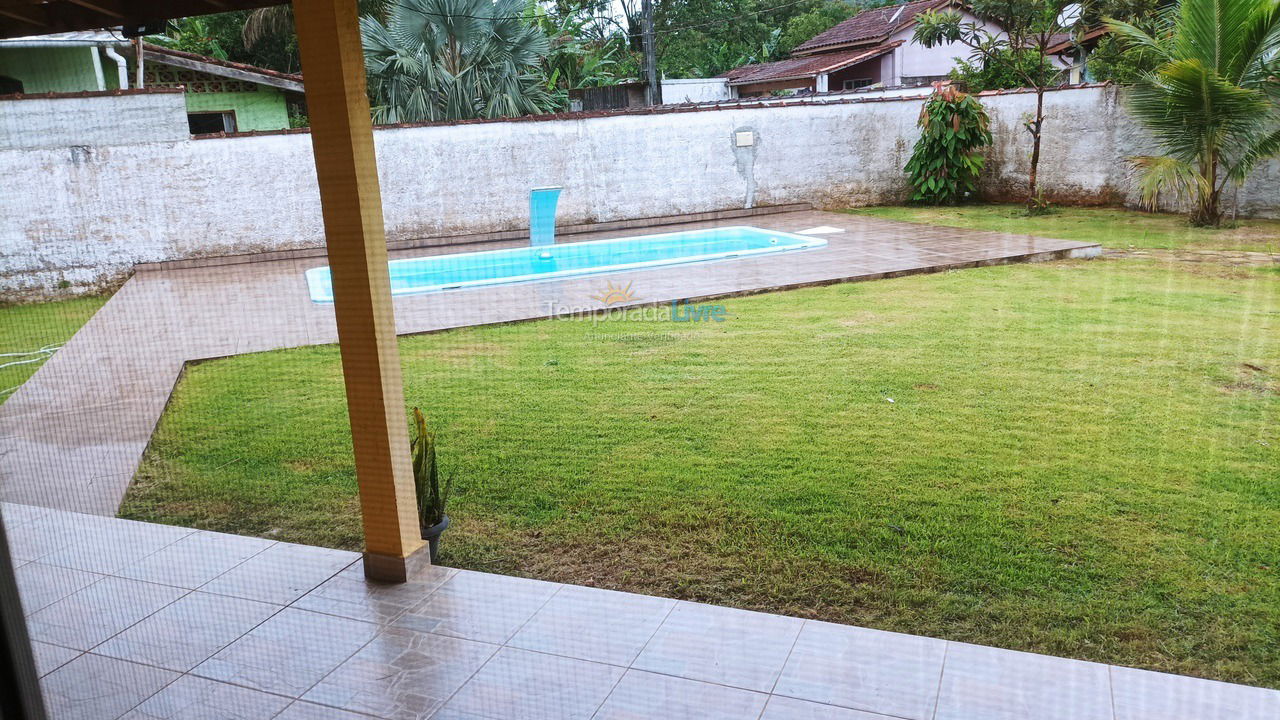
(426, 480)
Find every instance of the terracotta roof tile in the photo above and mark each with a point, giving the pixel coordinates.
(804, 67)
(870, 25)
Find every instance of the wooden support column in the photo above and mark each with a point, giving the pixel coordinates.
(342, 140)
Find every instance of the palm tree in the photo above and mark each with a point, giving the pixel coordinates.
(455, 59)
(1213, 102)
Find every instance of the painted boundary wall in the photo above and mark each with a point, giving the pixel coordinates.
(78, 217)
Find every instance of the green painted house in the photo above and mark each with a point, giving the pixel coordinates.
(221, 96)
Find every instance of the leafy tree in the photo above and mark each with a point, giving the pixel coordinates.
(1112, 59)
(1115, 60)
(702, 38)
(193, 35)
(806, 25)
(1213, 103)
(947, 159)
(1029, 30)
(455, 59)
(579, 58)
(1005, 69)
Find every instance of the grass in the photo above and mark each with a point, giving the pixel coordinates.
(28, 328)
(1113, 227)
(1076, 458)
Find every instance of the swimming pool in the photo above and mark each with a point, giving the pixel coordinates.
(494, 267)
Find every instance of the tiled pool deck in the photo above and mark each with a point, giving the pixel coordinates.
(73, 435)
(147, 621)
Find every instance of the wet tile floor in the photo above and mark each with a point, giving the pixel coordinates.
(142, 621)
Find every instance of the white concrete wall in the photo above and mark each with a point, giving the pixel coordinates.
(93, 120)
(695, 90)
(86, 215)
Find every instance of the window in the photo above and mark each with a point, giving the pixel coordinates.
(858, 83)
(202, 123)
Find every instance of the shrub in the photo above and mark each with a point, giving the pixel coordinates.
(947, 159)
(432, 497)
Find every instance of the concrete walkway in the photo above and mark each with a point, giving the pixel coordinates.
(146, 621)
(73, 435)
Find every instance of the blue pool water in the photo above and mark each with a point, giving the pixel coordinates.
(463, 270)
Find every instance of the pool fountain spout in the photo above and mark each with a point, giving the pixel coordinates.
(542, 215)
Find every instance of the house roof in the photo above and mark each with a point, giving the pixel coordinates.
(79, 38)
(804, 67)
(222, 68)
(1062, 42)
(869, 26)
(40, 17)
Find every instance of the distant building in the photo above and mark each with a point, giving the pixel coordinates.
(610, 97)
(695, 90)
(874, 47)
(1072, 52)
(221, 96)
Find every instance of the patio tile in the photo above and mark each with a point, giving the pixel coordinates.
(349, 594)
(300, 710)
(479, 606)
(1145, 695)
(591, 624)
(195, 559)
(402, 674)
(195, 698)
(785, 708)
(721, 645)
(15, 514)
(51, 657)
(282, 573)
(186, 633)
(89, 616)
(105, 545)
(864, 669)
(41, 537)
(289, 652)
(985, 683)
(642, 695)
(41, 585)
(93, 687)
(533, 686)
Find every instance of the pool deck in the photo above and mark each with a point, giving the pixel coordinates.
(147, 622)
(72, 436)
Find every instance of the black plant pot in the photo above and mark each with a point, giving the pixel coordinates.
(432, 536)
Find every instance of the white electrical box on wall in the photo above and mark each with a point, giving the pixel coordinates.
(744, 138)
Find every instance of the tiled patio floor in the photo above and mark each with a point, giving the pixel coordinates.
(147, 621)
(73, 435)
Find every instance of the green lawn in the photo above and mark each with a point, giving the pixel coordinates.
(1077, 458)
(28, 328)
(1113, 227)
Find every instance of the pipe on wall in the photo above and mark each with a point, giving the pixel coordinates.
(122, 65)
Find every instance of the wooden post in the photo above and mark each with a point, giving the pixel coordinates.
(346, 169)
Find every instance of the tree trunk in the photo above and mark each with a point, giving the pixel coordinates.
(1208, 211)
(1033, 177)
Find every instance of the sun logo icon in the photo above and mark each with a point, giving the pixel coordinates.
(614, 294)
